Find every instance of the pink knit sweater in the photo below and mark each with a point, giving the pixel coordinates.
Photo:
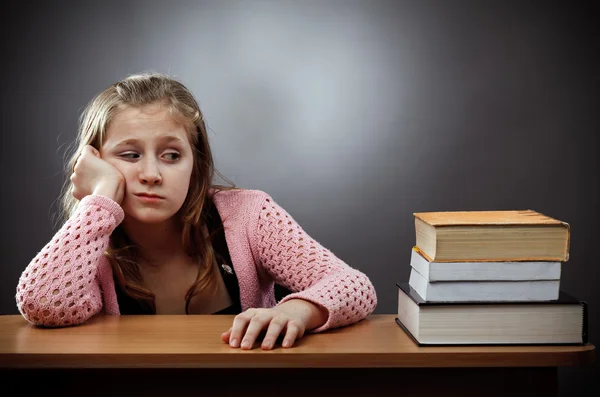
(71, 280)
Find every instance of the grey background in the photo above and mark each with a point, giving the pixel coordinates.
(351, 114)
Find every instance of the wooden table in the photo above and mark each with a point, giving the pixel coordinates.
(184, 355)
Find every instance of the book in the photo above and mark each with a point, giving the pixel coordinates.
(515, 235)
(484, 271)
(563, 321)
(482, 291)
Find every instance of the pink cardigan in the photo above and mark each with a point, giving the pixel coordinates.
(71, 280)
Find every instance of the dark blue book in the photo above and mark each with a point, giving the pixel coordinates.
(552, 322)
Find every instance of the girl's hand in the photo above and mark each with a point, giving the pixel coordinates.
(290, 319)
(92, 175)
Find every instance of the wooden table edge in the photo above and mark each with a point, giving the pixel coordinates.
(311, 360)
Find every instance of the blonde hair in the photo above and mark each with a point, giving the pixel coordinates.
(139, 90)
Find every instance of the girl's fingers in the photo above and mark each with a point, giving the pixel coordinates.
(293, 332)
(240, 322)
(225, 335)
(273, 332)
(257, 324)
(248, 326)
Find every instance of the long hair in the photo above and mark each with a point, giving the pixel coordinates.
(139, 90)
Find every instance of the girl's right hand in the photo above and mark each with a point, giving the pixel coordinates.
(92, 175)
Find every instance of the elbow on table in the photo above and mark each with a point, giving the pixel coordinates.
(42, 311)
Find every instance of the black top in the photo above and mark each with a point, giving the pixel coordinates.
(128, 305)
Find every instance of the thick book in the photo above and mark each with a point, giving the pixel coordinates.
(484, 271)
(463, 291)
(515, 235)
(563, 321)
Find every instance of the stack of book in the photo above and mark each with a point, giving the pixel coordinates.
(489, 277)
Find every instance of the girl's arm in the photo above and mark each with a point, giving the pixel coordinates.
(59, 287)
(312, 272)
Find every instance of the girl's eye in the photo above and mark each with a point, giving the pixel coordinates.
(174, 156)
(130, 155)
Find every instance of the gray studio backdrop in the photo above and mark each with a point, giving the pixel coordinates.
(351, 114)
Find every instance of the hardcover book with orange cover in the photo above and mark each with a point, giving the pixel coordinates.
(514, 235)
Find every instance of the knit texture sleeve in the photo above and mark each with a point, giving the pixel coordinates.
(59, 287)
(312, 272)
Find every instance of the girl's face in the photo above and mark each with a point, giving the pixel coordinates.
(153, 153)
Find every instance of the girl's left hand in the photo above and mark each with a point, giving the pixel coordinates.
(291, 319)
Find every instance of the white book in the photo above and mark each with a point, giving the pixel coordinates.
(482, 271)
(482, 291)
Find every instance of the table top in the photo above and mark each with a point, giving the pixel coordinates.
(179, 341)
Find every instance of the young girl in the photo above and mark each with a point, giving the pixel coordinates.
(146, 232)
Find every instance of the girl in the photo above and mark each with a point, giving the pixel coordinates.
(146, 232)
